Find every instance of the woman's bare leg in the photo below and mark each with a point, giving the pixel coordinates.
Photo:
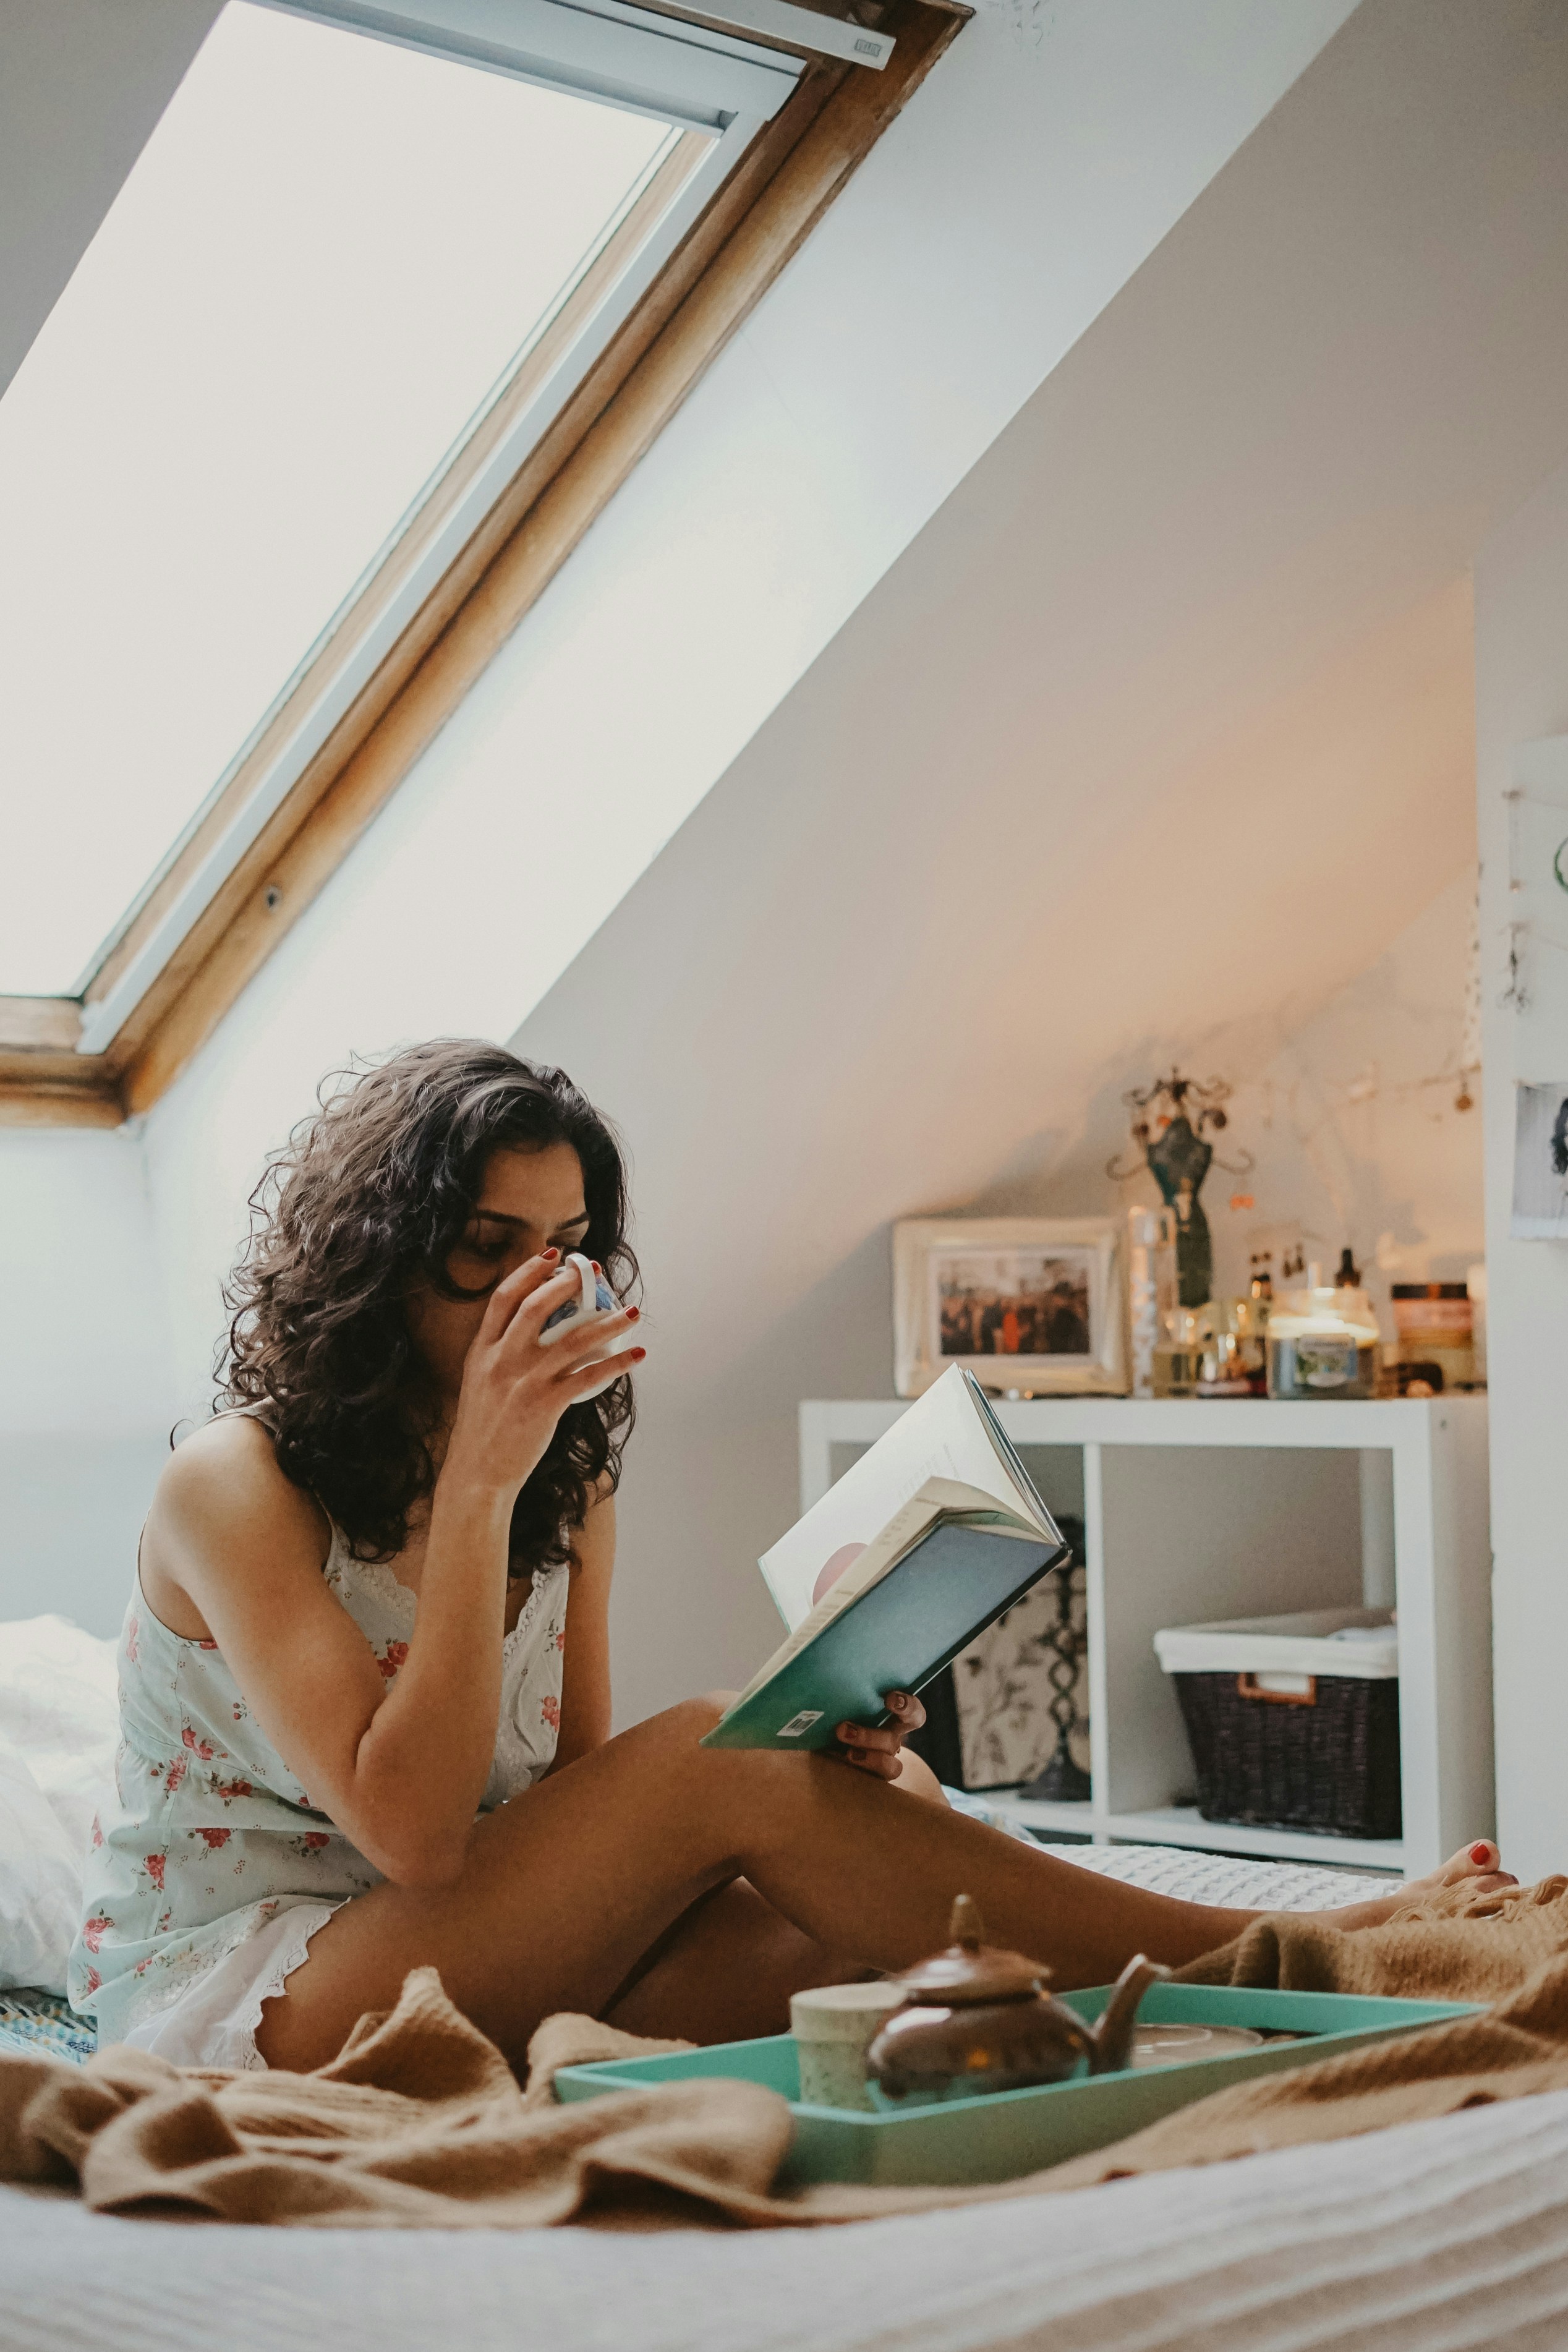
(567, 1887)
(726, 1970)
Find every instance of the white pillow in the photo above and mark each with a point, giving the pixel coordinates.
(59, 1704)
(59, 1726)
(41, 1880)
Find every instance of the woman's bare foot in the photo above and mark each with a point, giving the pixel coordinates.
(1474, 1867)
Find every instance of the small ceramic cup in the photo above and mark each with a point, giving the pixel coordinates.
(834, 2026)
(595, 1296)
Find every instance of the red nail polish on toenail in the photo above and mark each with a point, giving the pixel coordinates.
(1480, 1853)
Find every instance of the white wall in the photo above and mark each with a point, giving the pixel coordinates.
(1349, 1120)
(1158, 738)
(86, 1398)
(1522, 694)
(1042, 160)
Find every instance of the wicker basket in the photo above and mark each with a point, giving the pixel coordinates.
(1330, 1763)
(1277, 1742)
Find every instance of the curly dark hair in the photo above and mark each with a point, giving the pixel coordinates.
(369, 1197)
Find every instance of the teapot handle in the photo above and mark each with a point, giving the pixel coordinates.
(1111, 2043)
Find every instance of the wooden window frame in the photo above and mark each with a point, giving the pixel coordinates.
(753, 224)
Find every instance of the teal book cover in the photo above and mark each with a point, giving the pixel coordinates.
(952, 1584)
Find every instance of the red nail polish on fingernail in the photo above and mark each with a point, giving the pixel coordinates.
(550, 1253)
(1480, 1852)
(596, 1266)
(634, 1315)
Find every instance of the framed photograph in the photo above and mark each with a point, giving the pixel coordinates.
(1032, 1305)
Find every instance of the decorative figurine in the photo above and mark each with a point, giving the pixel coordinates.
(980, 2016)
(1171, 1144)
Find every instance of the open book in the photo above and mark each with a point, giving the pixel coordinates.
(916, 1550)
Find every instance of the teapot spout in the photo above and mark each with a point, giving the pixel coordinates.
(1111, 2042)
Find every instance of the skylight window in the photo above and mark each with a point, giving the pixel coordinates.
(332, 255)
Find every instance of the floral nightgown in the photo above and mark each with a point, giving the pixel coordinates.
(209, 1874)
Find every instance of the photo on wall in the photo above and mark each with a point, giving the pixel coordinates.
(1541, 1164)
(1031, 1306)
(1012, 1302)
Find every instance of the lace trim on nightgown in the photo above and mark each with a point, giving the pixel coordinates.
(185, 1970)
(376, 1578)
(292, 1953)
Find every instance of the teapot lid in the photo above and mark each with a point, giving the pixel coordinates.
(970, 1969)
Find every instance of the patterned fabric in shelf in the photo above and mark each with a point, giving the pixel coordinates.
(1003, 1689)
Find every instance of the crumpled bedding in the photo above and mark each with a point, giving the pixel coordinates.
(1438, 2237)
(420, 2120)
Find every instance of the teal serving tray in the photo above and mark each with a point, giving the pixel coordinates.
(1006, 2134)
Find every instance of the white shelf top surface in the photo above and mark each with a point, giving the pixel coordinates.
(1172, 1421)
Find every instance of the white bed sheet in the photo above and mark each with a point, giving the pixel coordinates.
(1438, 2237)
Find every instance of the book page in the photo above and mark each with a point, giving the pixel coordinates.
(939, 1499)
(944, 1434)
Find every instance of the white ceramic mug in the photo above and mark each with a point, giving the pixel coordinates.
(595, 1297)
(834, 2026)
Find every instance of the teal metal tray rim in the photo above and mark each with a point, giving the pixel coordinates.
(1005, 2135)
(1378, 2017)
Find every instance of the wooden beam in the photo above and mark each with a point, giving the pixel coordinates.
(754, 224)
(39, 1023)
(37, 1102)
(44, 1081)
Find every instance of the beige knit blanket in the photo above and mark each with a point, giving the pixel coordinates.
(420, 2121)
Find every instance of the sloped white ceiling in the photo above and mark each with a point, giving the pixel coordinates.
(1161, 728)
(82, 83)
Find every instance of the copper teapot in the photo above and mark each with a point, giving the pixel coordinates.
(980, 2016)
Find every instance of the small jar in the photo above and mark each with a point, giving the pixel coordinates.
(1234, 1359)
(1322, 1343)
(1178, 1364)
(1252, 1330)
(1434, 1323)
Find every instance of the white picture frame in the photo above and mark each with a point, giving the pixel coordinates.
(1008, 1297)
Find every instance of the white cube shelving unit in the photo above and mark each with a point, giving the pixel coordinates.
(1196, 1510)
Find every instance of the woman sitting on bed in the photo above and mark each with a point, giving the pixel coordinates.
(364, 1674)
